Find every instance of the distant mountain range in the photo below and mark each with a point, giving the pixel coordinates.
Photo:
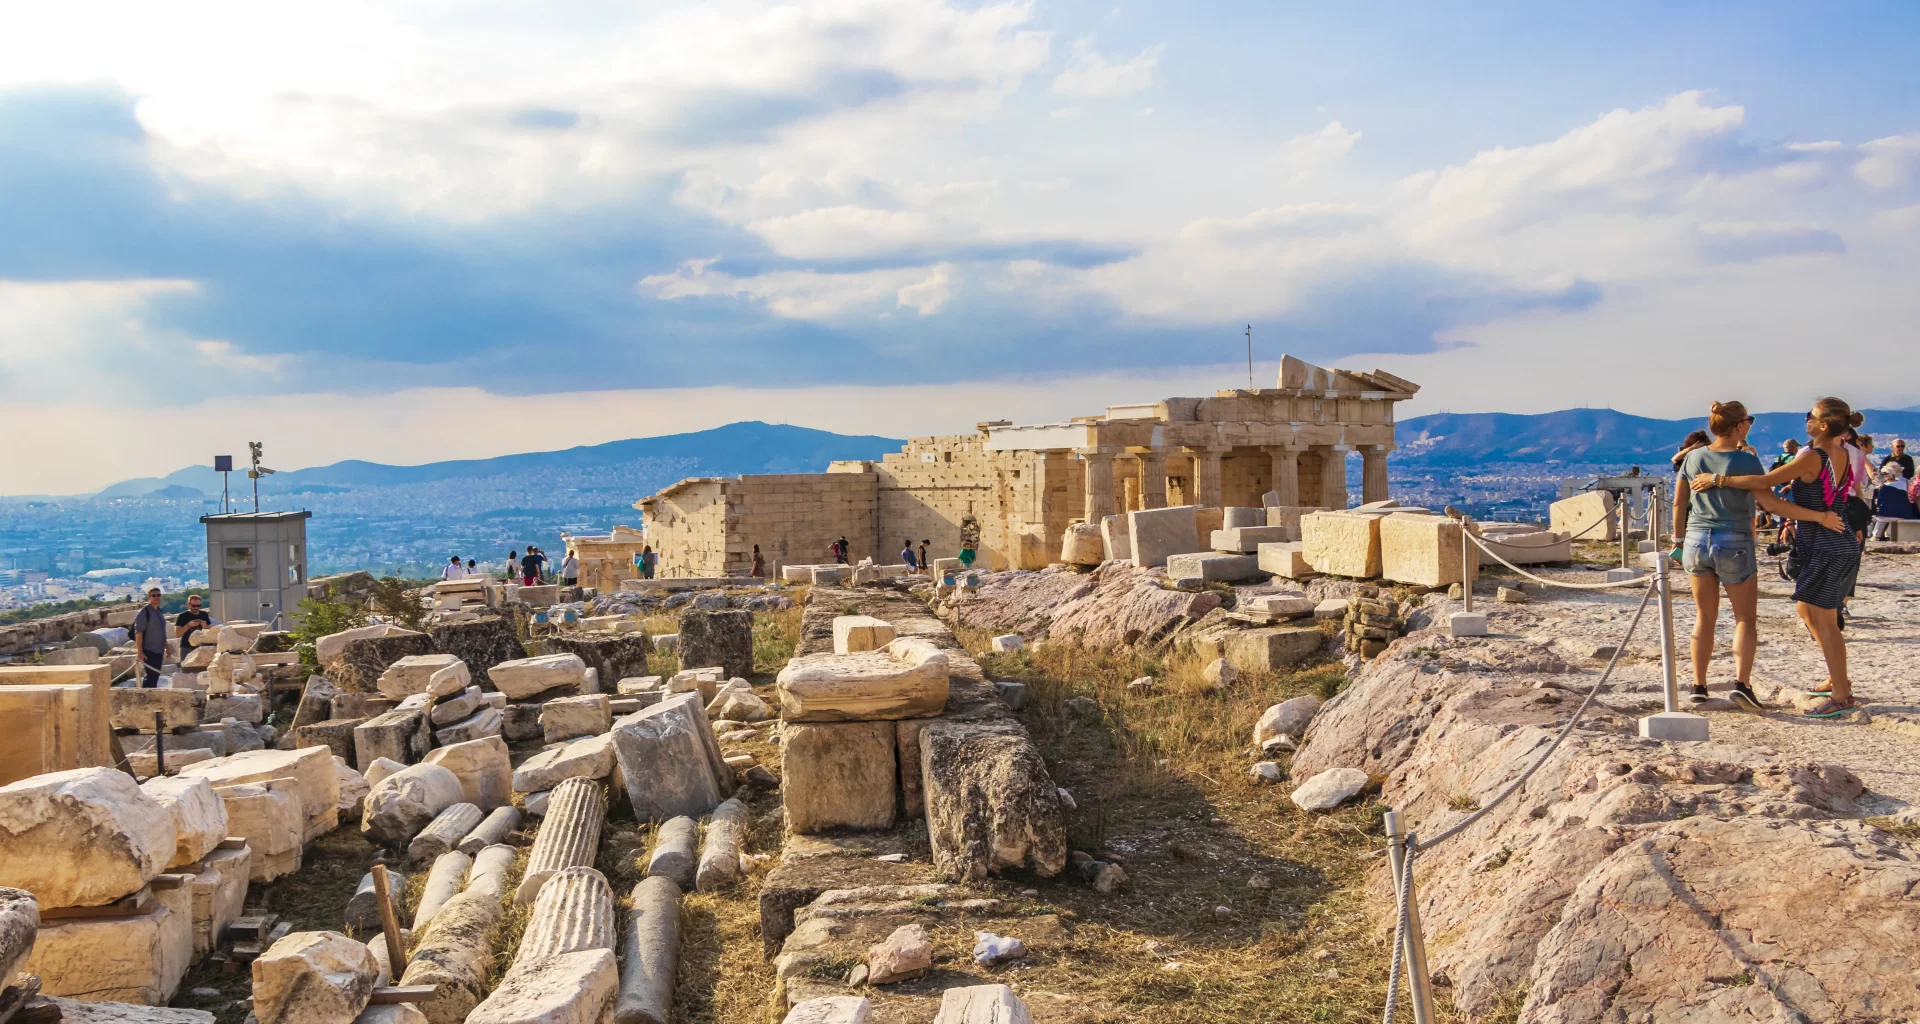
(1600, 436)
(745, 447)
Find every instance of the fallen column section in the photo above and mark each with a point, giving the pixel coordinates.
(675, 853)
(573, 914)
(443, 833)
(720, 857)
(444, 882)
(569, 837)
(651, 944)
(492, 831)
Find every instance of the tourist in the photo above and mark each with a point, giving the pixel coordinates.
(453, 569)
(150, 635)
(189, 622)
(966, 555)
(647, 561)
(539, 565)
(1899, 459)
(1717, 525)
(513, 564)
(530, 569)
(1861, 458)
(1697, 439)
(906, 555)
(472, 567)
(1824, 560)
(840, 550)
(1788, 449)
(570, 569)
(759, 564)
(925, 566)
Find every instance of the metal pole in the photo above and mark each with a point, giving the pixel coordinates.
(1469, 565)
(1666, 607)
(1419, 981)
(159, 741)
(1626, 527)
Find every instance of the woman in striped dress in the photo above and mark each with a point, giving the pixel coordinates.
(1822, 478)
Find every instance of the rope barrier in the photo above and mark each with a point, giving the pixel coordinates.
(1402, 885)
(1613, 585)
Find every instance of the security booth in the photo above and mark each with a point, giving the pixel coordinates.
(257, 566)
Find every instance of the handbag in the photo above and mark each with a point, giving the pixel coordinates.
(1858, 514)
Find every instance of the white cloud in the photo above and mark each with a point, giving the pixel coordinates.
(1091, 75)
(931, 295)
(807, 294)
(228, 357)
(1890, 162)
(1307, 155)
(97, 331)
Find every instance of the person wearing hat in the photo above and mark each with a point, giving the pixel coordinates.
(150, 635)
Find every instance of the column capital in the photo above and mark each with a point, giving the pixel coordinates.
(1206, 449)
(1108, 451)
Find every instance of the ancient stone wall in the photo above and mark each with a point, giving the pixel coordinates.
(794, 517)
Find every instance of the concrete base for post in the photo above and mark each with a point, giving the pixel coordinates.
(1674, 727)
(1467, 624)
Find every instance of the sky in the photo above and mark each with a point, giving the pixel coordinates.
(410, 231)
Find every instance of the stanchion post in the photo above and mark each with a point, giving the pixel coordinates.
(1671, 724)
(1469, 565)
(1414, 952)
(1626, 527)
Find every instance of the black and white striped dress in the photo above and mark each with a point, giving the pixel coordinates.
(1828, 560)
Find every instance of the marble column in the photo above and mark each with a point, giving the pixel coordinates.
(1153, 479)
(1206, 477)
(1373, 474)
(1099, 484)
(1333, 477)
(1286, 474)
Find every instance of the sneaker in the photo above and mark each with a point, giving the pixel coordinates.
(1744, 696)
(1699, 694)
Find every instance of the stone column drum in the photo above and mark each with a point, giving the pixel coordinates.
(574, 913)
(1373, 474)
(443, 833)
(651, 943)
(1099, 484)
(1286, 475)
(1153, 479)
(568, 837)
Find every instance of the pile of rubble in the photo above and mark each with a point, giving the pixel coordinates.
(1371, 622)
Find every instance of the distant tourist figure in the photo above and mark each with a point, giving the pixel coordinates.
(529, 569)
(966, 556)
(648, 560)
(1898, 459)
(906, 555)
(472, 567)
(759, 564)
(1719, 545)
(839, 548)
(539, 565)
(189, 622)
(1824, 560)
(570, 569)
(925, 566)
(1788, 449)
(453, 570)
(1697, 439)
(513, 564)
(150, 631)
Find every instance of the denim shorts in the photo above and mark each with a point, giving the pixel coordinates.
(1727, 554)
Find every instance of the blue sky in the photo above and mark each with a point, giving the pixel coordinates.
(450, 231)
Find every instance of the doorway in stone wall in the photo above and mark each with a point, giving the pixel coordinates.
(970, 532)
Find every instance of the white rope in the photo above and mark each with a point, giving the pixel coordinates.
(1614, 585)
(1462, 824)
(1402, 924)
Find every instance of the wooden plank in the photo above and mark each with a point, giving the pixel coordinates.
(13, 998)
(169, 881)
(127, 906)
(389, 923)
(402, 994)
(232, 843)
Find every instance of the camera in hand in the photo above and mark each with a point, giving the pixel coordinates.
(1777, 548)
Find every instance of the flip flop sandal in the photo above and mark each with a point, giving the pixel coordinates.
(1830, 708)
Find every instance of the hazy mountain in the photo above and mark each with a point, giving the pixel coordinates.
(746, 447)
(1600, 436)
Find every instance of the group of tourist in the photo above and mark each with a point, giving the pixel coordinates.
(531, 566)
(1824, 488)
(149, 630)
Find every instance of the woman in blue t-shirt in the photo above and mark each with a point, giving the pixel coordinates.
(1718, 526)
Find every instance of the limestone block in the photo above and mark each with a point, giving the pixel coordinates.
(380, 769)
(540, 596)
(855, 633)
(456, 954)
(1589, 516)
(641, 684)
(1342, 543)
(1279, 606)
(524, 677)
(443, 833)
(590, 758)
(568, 837)
(448, 710)
(136, 959)
(400, 735)
(83, 837)
(1266, 648)
(990, 802)
(675, 852)
(228, 668)
(1247, 539)
(134, 708)
(440, 675)
(726, 836)
(828, 575)
(907, 680)
(722, 638)
(219, 892)
(1289, 516)
(704, 680)
(1115, 541)
(481, 642)
(609, 655)
(199, 817)
(356, 705)
(364, 659)
(197, 659)
(402, 804)
(520, 722)
(335, 734)
(838, 776)
(1287, 718)
(310, 977)
(1081, 544)
(566, 718)
(73, 1011)
(483, 768)
(1420, 549)
(19, 922)
(829, 1010)
(573, 913)
(670, 759)
(481, 724)
(46, 729)
(311, 768)
(650, 949)
(1234, 517)
(982, 1004)
(739, 705)
(571, 989)
(1159, 533)
(267, 816)
(1524, 545)
(493, 831)
(247, 707)
(447, 877)
(1214, 567)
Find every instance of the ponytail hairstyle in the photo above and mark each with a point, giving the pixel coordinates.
(1836, 417)
(1725, 417)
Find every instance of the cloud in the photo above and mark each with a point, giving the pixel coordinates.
(1307, 155)
(1889, 162)
(1090, 75)
(1742, 242)
(226, 357)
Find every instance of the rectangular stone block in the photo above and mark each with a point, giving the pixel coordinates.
(1286, 559)
(359, 705)
(45, 729)
(1159, 533)
(670, 760)
(1114, 536)
(1272, 648)
(1214, 566)
(96, 739)
(1342, 543)
(907, 680)
(311, 769)
(1522, 544)
(1590, 515)
(138, 959)
(1288, 516)
(480, 725)
(134, 708)
(267, 815)
(219, 889)
(855, 633)
(838, 776)
(402, 735)
(1246, 540)
(1421, 550)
